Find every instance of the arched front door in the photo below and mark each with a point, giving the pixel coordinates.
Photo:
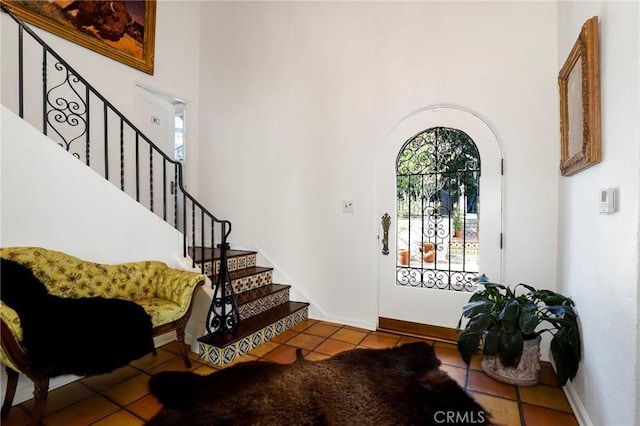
(438, 170)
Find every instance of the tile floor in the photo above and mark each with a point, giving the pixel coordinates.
(121, 398)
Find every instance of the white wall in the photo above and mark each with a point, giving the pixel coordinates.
(598, 253)
(176, 68)
(301, 95)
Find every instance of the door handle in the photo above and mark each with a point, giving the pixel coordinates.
(386, 222)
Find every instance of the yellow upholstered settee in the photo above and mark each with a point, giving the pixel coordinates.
(166, 294)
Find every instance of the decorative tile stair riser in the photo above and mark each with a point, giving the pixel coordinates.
(236, 263)
(254, 281)
(263, 304)
(225, 355)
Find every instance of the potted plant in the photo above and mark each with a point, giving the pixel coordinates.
(457, 223)
(510, 322)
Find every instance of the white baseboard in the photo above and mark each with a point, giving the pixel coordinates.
(576, 405)
(24, 391)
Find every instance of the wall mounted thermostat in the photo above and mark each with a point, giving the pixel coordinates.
(608, 200)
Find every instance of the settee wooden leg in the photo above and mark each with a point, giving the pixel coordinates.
(10, 392)
(40, 400)
(181, 345)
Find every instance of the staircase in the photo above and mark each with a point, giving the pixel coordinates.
(247, 308)
(264, 307)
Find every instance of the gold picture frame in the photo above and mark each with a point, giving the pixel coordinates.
(121, 30)
(579, 83)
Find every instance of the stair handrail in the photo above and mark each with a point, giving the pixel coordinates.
(223, 313)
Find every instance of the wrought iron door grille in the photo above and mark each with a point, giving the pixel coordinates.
(438, 188)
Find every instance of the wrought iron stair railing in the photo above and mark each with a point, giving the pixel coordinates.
(70, 111)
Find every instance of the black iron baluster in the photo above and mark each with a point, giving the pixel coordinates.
(175, 196)
(218, 319)
(121, 155)
(87, 138)
(137, 167)
(106, 141)
(184, 224)
(164, 189)
(202, 244)
(193, 231)
(151, 176)
(44, 90)
(20, 71)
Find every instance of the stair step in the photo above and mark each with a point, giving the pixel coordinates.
(249, 278)
(199, 254)
(236, 259)
(221, 349)
(254, 302)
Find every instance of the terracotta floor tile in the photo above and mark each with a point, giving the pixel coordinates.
(120, 418)
(314, 356)
(362, 330)
(175, 347)
(305, 341)
(104, 381)
(243, 358)
(282, 355)
(479, 381)
(332, 347)
(63, 397)
(322, 329)
(547, 375)
(349, 336)
(303, 325)
(475, 362)
(150, 360)
(503, 411)
(449, 356)
(83, 413)
(205, 370)
(284, 336)
(379, 341)
(410, 339)
(545, 396)
(17, 417)
(263, 349)
(446, 345)
(534, 415)
(386, 334)
(458, 374)
(146, 407)
(129, 390)
(174, 364)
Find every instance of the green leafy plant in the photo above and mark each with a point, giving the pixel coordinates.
(457, 221)
(504, 318)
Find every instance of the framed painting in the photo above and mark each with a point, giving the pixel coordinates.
(579, 83)
(121, 30)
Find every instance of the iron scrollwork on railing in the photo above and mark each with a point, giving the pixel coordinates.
(66, 108)
(223, 313)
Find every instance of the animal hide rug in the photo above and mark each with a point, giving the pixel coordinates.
(84, 336)
(398, 386)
